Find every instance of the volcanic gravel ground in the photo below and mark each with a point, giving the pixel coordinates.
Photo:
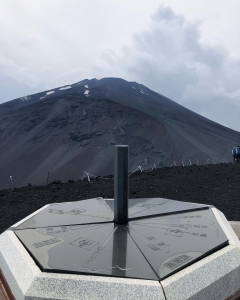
(218, 185)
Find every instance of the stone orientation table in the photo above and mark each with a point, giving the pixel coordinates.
(167, 250)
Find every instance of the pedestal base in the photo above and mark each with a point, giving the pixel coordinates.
(216, 276)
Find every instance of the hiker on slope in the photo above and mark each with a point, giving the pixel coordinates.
(234, 153)
(237, 155)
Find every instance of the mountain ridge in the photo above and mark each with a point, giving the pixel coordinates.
(72, 129)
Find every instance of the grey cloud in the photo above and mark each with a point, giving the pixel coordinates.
(7, 90)
(170, 58)
(167, 14)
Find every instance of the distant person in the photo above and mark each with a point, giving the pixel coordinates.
(237, 155)
(234, 152)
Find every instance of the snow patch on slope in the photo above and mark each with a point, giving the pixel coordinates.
(65, 88)
(26, 98)
(143, 93)
(50, 92)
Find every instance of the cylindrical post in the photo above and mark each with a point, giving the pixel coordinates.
(121, 184)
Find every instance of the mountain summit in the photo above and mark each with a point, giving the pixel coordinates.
(72, 129)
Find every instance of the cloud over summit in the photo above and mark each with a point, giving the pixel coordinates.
(170, 58)
(49, 44)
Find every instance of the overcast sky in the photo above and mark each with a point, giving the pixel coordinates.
(186, 50)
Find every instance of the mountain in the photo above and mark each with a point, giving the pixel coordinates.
(72, 129)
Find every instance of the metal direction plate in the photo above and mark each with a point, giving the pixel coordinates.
(68, 213)
(141, 207)
(169, 243)
(101, 249)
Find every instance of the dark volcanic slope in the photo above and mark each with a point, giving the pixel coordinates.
(218, 185)
(69, 130)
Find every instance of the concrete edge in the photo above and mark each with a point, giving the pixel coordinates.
(68, 286)
(216, 276)
(226, 227)
(16, 264)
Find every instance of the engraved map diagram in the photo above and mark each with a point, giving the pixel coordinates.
(148, 247)
(178, 238)
(80, 212)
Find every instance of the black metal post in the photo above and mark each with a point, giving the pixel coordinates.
(121, 184)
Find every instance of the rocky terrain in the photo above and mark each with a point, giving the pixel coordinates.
(68, 130)
(215, 184)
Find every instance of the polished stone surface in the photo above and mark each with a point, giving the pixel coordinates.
(80, 212)
(103, 249)
(170, 243)
(146, 248)
(143, 207)
(97, 210)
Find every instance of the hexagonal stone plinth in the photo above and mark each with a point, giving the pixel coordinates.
(78, 246)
